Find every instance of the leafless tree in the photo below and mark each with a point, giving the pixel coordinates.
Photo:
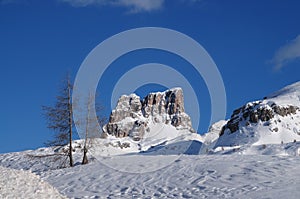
(91, 125)
(59, 118)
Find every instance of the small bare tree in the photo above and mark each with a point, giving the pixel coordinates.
(88, 123)
(59, 118)
(91, 125)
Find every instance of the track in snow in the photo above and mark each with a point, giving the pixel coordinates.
(217, 176)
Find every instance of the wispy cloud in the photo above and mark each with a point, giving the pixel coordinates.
(287, 53)
(134, 6)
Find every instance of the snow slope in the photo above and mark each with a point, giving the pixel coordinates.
(161, 139)
(24, 184)
(234, 175)
(215, 176)
(211, 137)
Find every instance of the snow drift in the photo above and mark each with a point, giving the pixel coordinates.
(24, 184)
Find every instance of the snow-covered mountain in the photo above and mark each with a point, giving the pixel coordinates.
(273, 120)
(133, 116)
(156, 124)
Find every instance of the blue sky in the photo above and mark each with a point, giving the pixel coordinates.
(255, 44)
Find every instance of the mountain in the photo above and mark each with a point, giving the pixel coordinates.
(132, 117)
(156, 124)
(274, 120)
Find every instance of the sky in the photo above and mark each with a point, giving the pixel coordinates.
(254, 44)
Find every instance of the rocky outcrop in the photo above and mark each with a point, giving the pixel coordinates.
(273, 120)
(132, 115)
(255, 112)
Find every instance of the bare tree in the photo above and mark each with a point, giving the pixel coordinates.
(91, 125)
(59, 118)
(88, 123)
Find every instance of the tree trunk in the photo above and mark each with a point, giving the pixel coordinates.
(85, 148)
(70, 125)
(85, 159)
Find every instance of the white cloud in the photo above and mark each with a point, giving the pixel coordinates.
(83, 3)
(141, 5)
(132, 5)
(287, 53)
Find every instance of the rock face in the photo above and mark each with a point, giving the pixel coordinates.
(132, 115)
(273, 120)
(255, 112)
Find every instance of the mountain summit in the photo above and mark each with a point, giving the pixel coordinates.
(156, 124)
(133, 116)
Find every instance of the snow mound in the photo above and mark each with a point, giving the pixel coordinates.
(24, 184)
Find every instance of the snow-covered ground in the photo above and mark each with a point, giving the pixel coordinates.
(235, 175)
(227, 176)
(24, 184)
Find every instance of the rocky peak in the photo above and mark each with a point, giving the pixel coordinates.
(273, 120)
(127, 106)
(165, 103)
(258, 111)
(132, 115)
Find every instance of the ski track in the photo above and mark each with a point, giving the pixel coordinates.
(205, 176)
